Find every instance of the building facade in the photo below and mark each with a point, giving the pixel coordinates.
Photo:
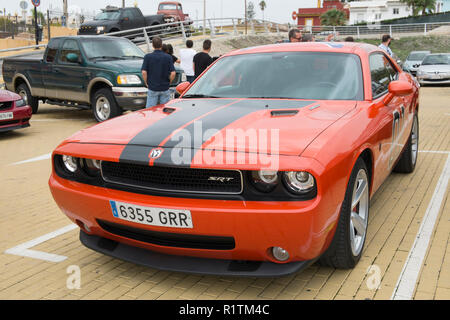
(310, 17)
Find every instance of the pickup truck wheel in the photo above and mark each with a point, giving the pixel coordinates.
(347, 246)
(104, 105)
(23, 91)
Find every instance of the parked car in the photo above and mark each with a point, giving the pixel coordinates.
(93, 72)
(14, 111)
(435, 69)
(255, 170)
(414, 60)
(114, 19)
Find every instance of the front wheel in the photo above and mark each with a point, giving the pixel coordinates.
(25, 92)
(104, 105)
(347, 246)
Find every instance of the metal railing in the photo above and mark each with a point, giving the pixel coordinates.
(24, 48)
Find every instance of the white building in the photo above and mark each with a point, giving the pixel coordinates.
(375, 11)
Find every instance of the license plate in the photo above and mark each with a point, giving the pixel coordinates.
(6, 115)
(161, 217)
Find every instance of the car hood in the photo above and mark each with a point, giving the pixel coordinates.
(284, 127)
(126, 65)
(97, 23)
(435, 67)
(6, 95)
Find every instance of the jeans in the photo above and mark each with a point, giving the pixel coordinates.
(155, 98)
(190, 79)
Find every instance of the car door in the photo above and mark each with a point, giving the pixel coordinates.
(390, 116)
(71, 77)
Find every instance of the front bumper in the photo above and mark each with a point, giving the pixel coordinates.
(429, 80)
(130, 98)
(202, 266)
(303, 228)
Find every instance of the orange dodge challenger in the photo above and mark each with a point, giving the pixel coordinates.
(265, 164)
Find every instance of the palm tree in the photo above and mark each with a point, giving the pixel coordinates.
(333, 17)
(418, 6)
(262, 6)
(429, 5)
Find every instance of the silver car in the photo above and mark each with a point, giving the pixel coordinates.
(414, 60)
(435, 69)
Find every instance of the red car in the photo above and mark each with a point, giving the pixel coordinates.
(265, 164)
(14, 111)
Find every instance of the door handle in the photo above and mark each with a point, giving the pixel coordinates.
(56, 70)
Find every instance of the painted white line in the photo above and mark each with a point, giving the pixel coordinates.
(404, 290)
(39, 158)
(24, 248)
(434, 151)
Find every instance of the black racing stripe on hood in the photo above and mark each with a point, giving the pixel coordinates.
(182, 147)
(138, 148)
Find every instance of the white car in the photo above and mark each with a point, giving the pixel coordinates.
(435, 69)
(413, 61)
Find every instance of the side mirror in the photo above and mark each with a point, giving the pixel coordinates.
(72, 57)
(181, 88)
(398, 88)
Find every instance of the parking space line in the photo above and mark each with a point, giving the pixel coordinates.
(39, 158)
(24, 248)
(406, 284)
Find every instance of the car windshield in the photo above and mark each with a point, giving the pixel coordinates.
(167, 6)
(291, 75)
(98, 48)
(416, 56)
(436, 59)
(108, 15)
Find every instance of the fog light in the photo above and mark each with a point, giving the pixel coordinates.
(280, 254)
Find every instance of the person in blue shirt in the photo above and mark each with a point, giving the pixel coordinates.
(158, 72)
(385, 42)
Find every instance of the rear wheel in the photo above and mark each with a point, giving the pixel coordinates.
(408, 159)
(347, 246)
(25, 92)
(104, 105)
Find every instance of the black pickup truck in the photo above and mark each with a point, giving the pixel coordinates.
(113, 19)
(92, 72)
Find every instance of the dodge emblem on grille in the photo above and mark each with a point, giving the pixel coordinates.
(156, 153)
(220, 179)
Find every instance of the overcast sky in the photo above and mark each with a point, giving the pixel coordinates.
(277, 10)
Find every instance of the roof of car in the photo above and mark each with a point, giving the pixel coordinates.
(344, 47)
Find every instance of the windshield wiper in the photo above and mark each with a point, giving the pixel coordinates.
(133, 57)
(106, 57)
(199, 96)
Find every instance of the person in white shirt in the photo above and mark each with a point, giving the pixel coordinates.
(187, 60)
(385, 41)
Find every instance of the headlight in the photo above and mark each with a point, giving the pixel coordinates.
(100, 29)
(91, 167)
(264, 180)
(128, 79)
(70, 163)
(299, 181)
(20, 103)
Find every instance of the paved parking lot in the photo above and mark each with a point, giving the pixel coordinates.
(407, 253)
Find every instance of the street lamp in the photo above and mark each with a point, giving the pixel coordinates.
(204, 17)
(245, 3)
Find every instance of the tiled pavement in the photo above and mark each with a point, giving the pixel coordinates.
(27, 212)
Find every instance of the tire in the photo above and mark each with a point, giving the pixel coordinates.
(408, 159)
(104, 105)
(347, 245)
(25, 92)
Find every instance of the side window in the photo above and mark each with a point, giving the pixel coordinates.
(382, 73)
(69, 46)
(136, 14)
(127, 14)
(52, 51)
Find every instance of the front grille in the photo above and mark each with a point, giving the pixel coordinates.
(87, 30)
(169, 239)
(5, 105)
(173, 178)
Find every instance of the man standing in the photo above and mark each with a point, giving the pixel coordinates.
(295, 35)
(187, 60)
(158, 72)
(202, 59)
(385, 42)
